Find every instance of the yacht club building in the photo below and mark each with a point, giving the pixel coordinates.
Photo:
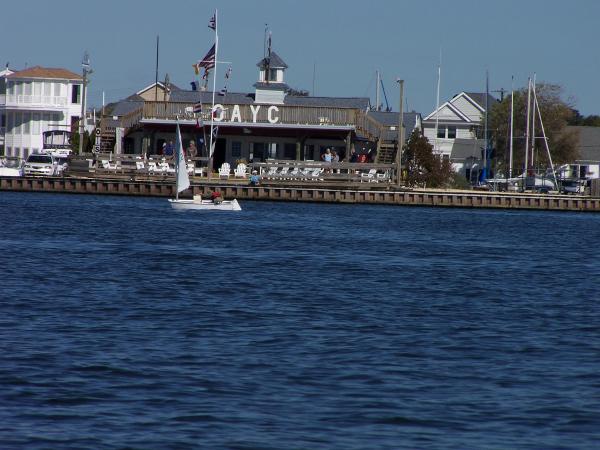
(272, 122)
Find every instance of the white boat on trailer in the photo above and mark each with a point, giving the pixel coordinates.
(182, 182)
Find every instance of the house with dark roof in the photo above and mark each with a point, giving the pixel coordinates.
(273, 121)
(458, 120)
(587, 164)
(36, 100)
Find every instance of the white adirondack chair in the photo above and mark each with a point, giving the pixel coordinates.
(240, 171)
(224, 170)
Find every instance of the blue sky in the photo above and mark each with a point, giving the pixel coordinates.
(345, 40)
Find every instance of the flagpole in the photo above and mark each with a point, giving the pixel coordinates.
(212, 118)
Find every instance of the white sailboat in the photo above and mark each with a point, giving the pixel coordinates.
(182, 182)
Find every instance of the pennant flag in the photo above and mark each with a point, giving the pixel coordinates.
(196, 68)
(205, 74)
(198, 107)
(228, 73)
(212, 23)
(194, 85)
(223, 91)
(269, 44)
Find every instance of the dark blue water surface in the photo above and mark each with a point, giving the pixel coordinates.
(124, 324)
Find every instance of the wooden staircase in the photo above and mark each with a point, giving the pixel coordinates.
(386, 152)
(107, 137)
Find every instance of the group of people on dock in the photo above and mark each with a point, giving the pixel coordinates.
(331, 156)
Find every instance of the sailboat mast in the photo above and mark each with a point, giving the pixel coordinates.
(532, 164)
(177, 162)
(485, 129)
(527, 126)
(536, 105)
(377, 100)
(437, 108)
(512, 126)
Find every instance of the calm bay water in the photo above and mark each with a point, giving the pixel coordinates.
(124, 324)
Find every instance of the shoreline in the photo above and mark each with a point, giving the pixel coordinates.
(316, 193)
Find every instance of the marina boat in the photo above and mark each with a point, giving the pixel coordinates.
(198, 203)
(182, 182)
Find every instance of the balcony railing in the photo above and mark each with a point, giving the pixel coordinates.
(293, 115)
(46, 100)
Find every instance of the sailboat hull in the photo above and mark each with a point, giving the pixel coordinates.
(205, 205)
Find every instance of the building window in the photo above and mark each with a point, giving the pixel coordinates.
(2, 86)
(76, 93)
(236, 149)
(451, 132)
(37, 89)
(47, 89)
(18, 88)
(441, 132)
(18, 123)
(10, 123)
(26, 123)
(27, 88)
(2, 120)
(8, 151)
(289, 151)
(35, 124)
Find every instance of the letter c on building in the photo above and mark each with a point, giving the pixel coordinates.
(270, 117)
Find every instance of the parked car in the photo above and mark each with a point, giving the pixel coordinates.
(40, 164)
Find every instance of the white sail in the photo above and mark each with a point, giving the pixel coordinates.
(183, 180)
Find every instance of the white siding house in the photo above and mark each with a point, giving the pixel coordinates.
(38, 99)
(461, 118)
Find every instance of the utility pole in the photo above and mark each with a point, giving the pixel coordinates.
(85, 64)
(400, 135)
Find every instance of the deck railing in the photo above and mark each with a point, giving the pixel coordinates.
(262, 114)
(293, 115)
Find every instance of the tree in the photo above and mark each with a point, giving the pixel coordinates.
(423, 166)
(556, 115)
(585, 121)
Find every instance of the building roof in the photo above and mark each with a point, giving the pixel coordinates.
(45, 73)
(390, 119)
(239, 98)
(479, 98)
(465, 148)
(274, 62)
(127, 106)
(589, 142)
(161, 85)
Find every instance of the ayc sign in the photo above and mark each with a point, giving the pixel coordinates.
(236, 115)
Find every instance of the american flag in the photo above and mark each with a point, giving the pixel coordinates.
(212, 23)
(208, 62)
